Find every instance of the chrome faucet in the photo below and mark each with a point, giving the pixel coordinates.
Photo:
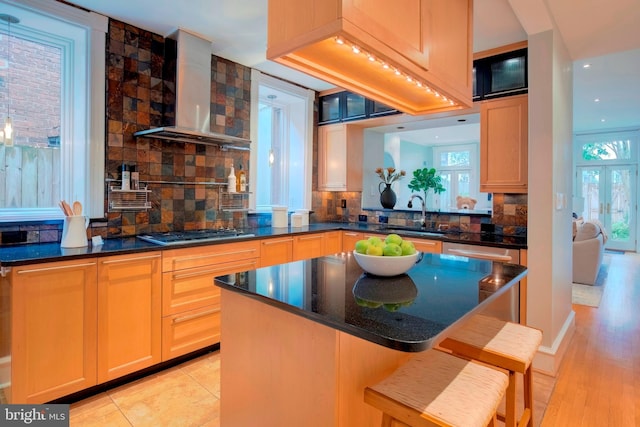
(424, 208)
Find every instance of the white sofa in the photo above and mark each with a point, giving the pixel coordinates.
(589, 238)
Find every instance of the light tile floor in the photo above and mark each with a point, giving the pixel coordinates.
(188, 395)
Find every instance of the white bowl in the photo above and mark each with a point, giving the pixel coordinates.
(386, 265)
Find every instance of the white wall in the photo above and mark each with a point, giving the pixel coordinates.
(549, 224)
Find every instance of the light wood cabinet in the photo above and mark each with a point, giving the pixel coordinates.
(308, 246)
(340, 152)
(349, 239)
(190, 301)
(53, 330)
(332, 242)
(276, 250)
(504, 145)
(431, 41)
(426, 245)
(129, 313)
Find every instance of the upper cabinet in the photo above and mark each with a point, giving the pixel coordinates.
(344, 106)
(503, 74)
(503, 145)
(412, 55)
(340, 157)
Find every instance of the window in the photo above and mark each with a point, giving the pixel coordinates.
(282, 138)
(53, 87)
(457, 166)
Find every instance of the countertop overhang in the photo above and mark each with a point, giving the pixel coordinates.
(407, 312)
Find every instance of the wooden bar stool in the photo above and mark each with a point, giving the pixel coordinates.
(435, 388)
(507, 345)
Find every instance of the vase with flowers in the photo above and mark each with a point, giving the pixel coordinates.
(388, 176)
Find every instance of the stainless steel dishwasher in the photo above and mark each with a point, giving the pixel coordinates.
(507, 306)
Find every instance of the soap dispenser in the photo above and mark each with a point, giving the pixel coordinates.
(231, 181)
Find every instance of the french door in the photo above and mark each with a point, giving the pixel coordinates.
(609, 194)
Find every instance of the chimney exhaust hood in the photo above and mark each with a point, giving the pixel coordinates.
(193, 97)
(412, 55)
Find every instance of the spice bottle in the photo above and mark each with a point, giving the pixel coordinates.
(126, 178)
(241, 184)
(231, 181)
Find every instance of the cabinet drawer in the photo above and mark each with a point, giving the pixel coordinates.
(189, 331)
(276, 251)
(308, 246)
(179, 259)
(427, 246)
(193, 288)
(349, 239)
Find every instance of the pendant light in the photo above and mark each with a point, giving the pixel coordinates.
(8, 124)
(271, 155)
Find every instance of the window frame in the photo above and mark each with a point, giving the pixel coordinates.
(83, 129)
(473, 169)
(259, 79)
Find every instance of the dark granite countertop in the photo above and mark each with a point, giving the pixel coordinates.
(14, 255)
(406, 312)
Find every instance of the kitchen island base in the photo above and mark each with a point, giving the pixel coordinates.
(279, 369)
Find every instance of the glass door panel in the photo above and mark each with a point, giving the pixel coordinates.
(609, 196)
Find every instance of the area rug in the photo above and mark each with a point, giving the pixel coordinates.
(590, 295)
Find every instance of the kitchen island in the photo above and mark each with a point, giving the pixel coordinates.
(303, 339)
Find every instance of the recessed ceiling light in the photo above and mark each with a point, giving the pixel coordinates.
(596, 100)
(602, 120)
(586, 66)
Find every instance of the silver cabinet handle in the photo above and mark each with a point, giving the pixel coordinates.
(249, 266)
(62, 267)
(189, 258)
(479, 255)
(117, 261)
(194, 316)
(276, 241)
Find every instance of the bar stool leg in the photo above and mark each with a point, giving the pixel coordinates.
(510, 413)
(528, 395)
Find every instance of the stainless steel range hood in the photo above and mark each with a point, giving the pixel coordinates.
(193, 97)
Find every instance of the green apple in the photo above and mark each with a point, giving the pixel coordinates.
(361, 246)
(375, 240)
(374, 250)
(392, 249)
(393, 238)
(407, 247)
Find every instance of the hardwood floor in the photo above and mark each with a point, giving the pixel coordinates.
(598, 383)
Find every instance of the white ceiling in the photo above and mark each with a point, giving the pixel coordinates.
(604, 33)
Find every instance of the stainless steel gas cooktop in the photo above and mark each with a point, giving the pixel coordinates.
(180, 237)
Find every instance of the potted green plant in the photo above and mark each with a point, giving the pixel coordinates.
(423, 180)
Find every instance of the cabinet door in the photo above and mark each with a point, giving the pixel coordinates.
(276, 251)
(349, 239)
(189, 331)
(340, 157)
(332, 158)
(129, 314)
(427, 246)
(53, 330)
(503, 145)
(308, 246)
(332, 242)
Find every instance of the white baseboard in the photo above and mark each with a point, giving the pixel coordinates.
(548, 359)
